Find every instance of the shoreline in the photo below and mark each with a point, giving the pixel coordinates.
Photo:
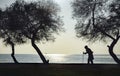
(53, 69)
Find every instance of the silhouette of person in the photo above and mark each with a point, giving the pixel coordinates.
(90, 54)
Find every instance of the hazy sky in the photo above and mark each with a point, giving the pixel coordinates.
(65, 43)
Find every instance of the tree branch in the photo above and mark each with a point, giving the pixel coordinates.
(119, 36)
(104, 33)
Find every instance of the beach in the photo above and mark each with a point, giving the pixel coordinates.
(36, 69)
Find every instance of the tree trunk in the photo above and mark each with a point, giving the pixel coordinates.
(110, 49)
(13, 53)
(39, 52)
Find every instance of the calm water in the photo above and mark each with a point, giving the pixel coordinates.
(57, 58)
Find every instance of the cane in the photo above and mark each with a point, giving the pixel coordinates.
(83, 58)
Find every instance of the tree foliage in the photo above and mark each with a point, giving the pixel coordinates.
(110, 24)
(38, 18)
(10, 27)
(86, 12)
(84, 8)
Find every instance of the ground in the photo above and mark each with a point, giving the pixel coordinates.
(59, 70)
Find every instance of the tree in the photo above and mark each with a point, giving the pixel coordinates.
(37, 21)
(10, 30)
(110, 28)
(93, 24)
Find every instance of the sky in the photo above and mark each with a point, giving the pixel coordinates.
(65, 43)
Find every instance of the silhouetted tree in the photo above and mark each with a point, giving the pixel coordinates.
(10, 30)
(37, 21)
(110, 28)
(93, 24)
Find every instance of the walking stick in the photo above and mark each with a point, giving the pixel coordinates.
(83, 58)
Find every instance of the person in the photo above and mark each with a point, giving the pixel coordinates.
(90, 54)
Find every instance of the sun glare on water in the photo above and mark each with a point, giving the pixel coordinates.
(56, 58)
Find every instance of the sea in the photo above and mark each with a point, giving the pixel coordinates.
(57, 58)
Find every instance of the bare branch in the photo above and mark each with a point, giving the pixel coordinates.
(104, 33)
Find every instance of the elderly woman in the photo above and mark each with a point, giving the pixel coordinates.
(90, 54)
